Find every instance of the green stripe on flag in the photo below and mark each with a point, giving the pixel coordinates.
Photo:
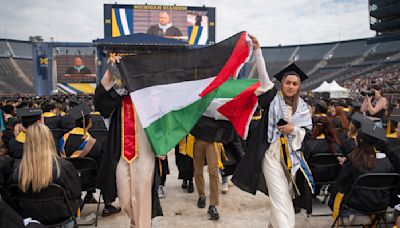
(232, 88)
(165, 133)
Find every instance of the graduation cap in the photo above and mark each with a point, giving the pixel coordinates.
(372, 134)
(29, 115)
(357, 119)
(292, 69)
(73, 101)
(80, 111)
(321, 106)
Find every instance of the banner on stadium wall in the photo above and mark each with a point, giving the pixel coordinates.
(195, 25)
(43, 65)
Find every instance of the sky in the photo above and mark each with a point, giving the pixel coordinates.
(273, 22)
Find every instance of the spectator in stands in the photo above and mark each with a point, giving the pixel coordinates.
(164, 27)
(78, 67)
(377, 106)
(40, 166)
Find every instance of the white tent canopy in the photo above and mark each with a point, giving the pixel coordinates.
(333, 88)
(324, 87)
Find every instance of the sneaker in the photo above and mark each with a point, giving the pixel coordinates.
(110, 210)
(201, 203)
(213, 213)
(89, 199)
(184, 184)
(190, 187)
(161, 193)
(225, 188)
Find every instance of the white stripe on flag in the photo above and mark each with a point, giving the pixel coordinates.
(124, 21)
(212, 111)
(153, 102)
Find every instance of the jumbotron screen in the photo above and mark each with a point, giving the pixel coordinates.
(195, 25)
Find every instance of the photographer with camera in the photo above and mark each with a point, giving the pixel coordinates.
(375, 104)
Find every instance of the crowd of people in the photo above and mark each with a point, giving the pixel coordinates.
(387, 78)
(287, 136)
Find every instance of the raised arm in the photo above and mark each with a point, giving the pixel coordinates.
(265, 83)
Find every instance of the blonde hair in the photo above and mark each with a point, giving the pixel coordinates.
(36, 167)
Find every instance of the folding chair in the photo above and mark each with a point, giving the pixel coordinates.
(370, 182)
(322, 163)
(87, 169)
(53, 198)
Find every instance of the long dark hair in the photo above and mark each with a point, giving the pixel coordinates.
(323, 125)
(364, 155)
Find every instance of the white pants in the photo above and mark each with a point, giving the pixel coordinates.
(134, 183)
(282, 211)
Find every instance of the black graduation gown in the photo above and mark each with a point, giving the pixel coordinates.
(97, 122)
(313, 147)
(69, 179)
(6, 168)
(15, 149)
(109, 104)
(184, 164)
(53, 122)
(234, 152)
(347, 146)
(394, 157)
(67, 123)
(366, 200)
(74, 141)
(9, 217)
(248, 174)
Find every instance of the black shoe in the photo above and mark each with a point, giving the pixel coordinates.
(184, 184)
(202, 202)
(212, 211)
(110, 210)
(190, 187)
(89, 199)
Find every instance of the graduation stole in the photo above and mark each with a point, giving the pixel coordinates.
(129, 138)
(83, 149)
(186, 145)
(220, 150)
(49, 114)
(21, 137)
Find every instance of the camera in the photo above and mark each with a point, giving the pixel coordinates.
(367, 93)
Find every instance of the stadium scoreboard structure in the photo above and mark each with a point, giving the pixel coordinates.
(195, 25)
(384, 16)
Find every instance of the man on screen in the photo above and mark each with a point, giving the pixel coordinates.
(78, 68)
(164, 27)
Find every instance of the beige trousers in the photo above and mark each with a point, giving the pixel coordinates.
(282, 211)
(203, 151)
(134, 183)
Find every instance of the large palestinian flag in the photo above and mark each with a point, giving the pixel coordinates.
(172, 90)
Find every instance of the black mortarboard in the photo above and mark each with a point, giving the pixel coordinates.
(292, 69)
(29, 115)
(73, 101)
(80, 111)
(372, 134)
(357, 118)
(321, 106)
